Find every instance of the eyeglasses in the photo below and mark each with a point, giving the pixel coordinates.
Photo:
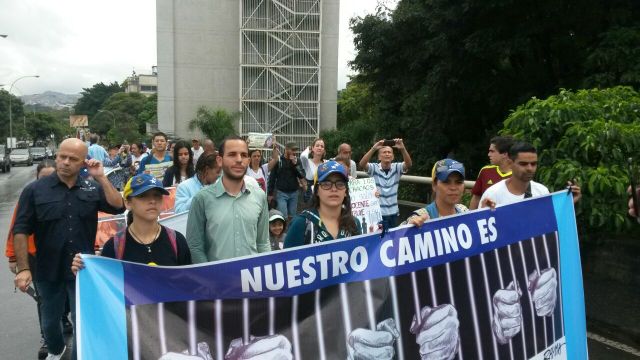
(326, 185)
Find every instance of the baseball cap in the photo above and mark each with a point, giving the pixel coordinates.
(275, 215)
(142, 183)
(328, 168)
(291, 145)
(445, 167)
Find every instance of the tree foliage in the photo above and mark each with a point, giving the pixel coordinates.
(586, 135)
(128, 112)
(214, 124)
(41, 126)
(17, 114)
(444, 74)
(357, 120)
(149, 113)
(93, 98)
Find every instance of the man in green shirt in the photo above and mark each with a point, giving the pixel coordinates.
(231, 217)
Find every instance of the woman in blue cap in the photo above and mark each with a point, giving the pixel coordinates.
(145, 240)
(330, 215)
(448, 186)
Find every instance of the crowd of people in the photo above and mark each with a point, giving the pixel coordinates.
(238, 204)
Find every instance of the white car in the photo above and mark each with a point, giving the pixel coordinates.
(21, 156)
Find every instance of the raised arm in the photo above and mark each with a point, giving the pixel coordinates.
(406, 158)
(275, 156)
(364, 162)
(112, 195)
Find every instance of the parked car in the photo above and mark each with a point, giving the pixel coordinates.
(5, 163)
(21, 156)
(38, 153)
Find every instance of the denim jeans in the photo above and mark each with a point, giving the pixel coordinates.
(309, 193)
(287, 203)
(53, 295)
(389, 221)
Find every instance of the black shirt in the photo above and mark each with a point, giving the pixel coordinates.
(64, 221)
(161, 250)
(285, 175)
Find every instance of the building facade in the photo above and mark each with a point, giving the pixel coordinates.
(275, 61)
(146, 84)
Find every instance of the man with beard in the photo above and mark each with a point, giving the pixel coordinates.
(231, 217)
(520, 185)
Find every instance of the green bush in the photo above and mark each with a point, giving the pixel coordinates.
(586, 135)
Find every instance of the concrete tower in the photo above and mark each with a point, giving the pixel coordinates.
(276, 61)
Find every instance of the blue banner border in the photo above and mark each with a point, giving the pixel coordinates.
(573, 309)
(101, 286)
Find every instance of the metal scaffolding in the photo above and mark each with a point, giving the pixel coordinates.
(280, 68)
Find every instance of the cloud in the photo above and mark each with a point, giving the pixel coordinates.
(73, 44)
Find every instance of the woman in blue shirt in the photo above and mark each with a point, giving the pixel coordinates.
(448, 186)
(330, 215)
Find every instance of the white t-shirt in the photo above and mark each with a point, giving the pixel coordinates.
(308, 165)
(502, 196)
(261, 176)
(196, 154)
(135, 160)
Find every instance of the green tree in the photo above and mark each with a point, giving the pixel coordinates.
(40, 126)
(445, 73)
(215, 124)
(17, 114)
(149, 113)
(614, 61)
(586, 135)
(122, 110)
(357, 120)
(93, 98)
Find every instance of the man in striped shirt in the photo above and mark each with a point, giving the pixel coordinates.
(387, 175)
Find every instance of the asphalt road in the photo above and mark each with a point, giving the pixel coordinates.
(20, 337)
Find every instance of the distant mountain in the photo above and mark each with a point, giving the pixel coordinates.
(51, 99)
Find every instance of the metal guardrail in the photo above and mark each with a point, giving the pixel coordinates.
(468, 184)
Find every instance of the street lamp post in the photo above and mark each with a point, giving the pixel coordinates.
(113, 117)
(11, 111)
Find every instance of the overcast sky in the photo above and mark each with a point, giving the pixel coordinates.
(73, 44)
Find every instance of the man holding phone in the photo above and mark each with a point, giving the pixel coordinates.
(284, 181)
(387, 175)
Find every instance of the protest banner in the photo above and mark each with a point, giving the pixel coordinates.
(500, 284)
(260, 141)
(365, 205)
(157, 170)
(109, 225)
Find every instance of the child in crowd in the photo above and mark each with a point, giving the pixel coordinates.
(145, 240)
(277, 225)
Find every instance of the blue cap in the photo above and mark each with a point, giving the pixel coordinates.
(142, 183)
(328, 168)
(445, 167)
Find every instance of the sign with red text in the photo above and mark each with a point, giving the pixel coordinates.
(365, 204)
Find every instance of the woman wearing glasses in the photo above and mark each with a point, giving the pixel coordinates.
(329, 217)
(448, 186)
